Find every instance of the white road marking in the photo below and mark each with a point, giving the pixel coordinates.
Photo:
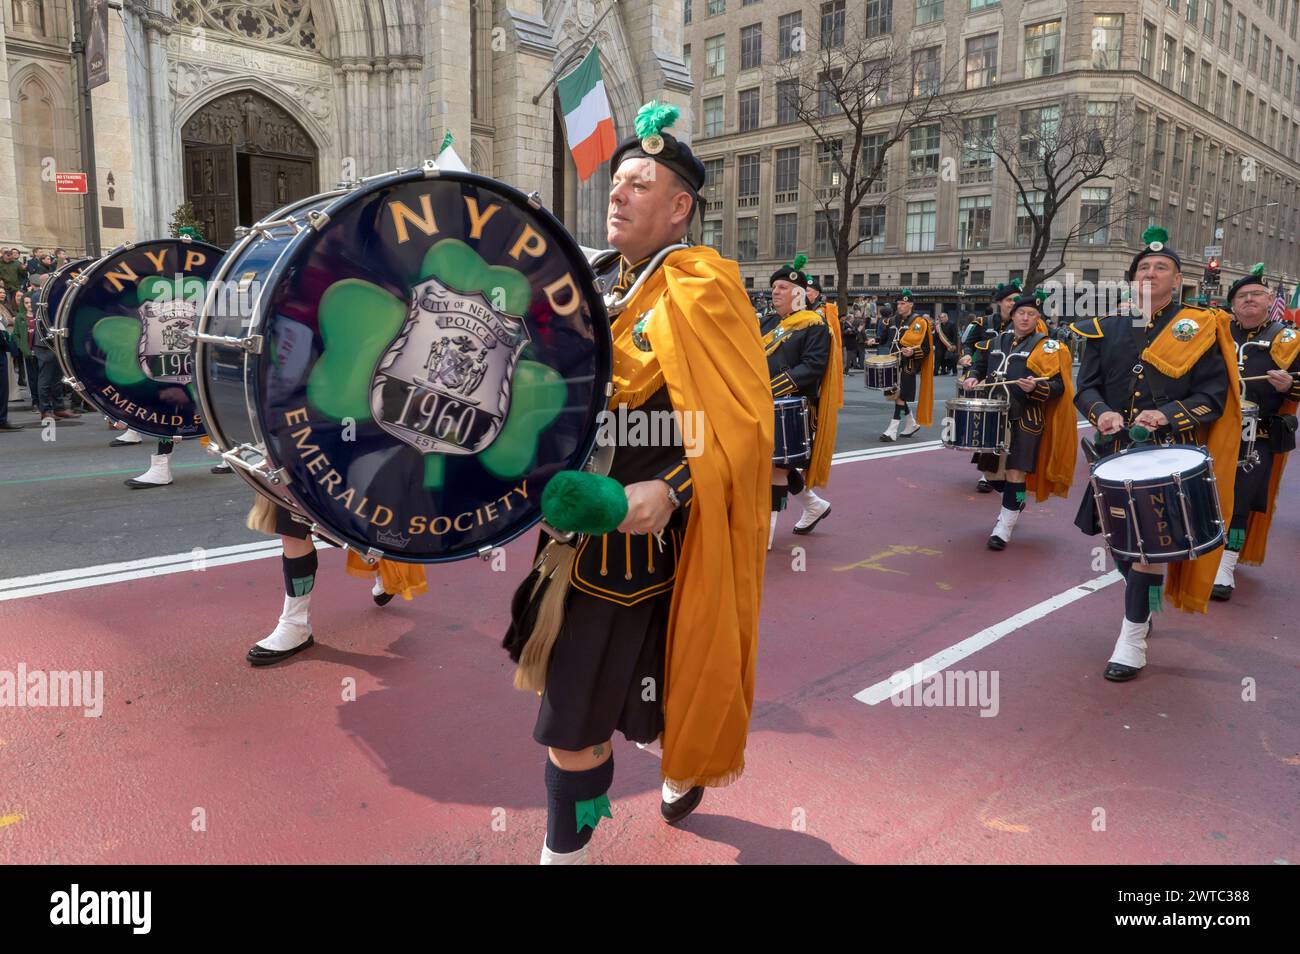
(940, 661)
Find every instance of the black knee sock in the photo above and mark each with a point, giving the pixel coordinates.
(1237, 530)
(779, 498)
(1124, 566)
(564, 790)
(1013, 495)
(1141, 595)
(299, 573)
(165, 446)
(899, 411)
(795, 482)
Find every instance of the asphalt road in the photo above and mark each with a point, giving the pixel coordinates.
(63, 503)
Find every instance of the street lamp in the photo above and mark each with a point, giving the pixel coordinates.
(1223, 218)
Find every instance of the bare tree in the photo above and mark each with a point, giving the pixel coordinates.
(859, 96)
(1050, 154)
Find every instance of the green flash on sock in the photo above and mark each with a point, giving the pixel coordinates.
(1155, 598)
(1020, 497)
(1236, 539)
(590, 812)
(302, 585)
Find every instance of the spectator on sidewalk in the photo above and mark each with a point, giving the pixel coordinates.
(13, 274)
(6, 344)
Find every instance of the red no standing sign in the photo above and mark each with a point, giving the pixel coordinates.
(70, 182)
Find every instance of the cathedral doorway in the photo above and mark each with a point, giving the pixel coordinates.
(245, 157)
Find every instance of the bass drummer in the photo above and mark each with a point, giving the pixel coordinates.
(1035, 370)
(803, 360)
(1171, 371)
(1268, 352)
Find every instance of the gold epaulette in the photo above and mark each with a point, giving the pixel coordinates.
(1085, 331)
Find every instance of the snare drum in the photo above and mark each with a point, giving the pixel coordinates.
(881, 372)
(1158, 504)
(978, 424)
(404, 364)
(51, 296)
(1249, 456)
(793, 444)
(123, 333)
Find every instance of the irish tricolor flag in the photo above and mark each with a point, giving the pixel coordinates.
(587, 118)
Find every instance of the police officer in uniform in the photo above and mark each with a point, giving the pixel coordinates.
(1165, 372)
(1268, 351)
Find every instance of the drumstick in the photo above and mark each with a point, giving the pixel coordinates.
(1264, 377)
(1003, 384)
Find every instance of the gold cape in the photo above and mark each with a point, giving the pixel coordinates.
(1284, 355)
(912, 338)
(706, 349)
(830, 394)
(1058, 449)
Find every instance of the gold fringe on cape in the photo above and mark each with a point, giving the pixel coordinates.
(406, 580)
(1059, 447)
(912, 338)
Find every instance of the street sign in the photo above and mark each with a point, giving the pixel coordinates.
(1218, 234)
(1214, 251)
(72, 182)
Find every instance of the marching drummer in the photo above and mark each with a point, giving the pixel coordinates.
(977, 359)
(1035, 370)
(915, 341)
(1172, 372)
(1269, 362)
(658, 643)
(804, 359)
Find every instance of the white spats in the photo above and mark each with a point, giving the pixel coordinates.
(1131, 647)
(1227, 568)
(670, 796)
(128, 436)
(578, 857)
(1006, 524)
(159, 473)
(771, 532)
(891, 432)
(910, 426)
(378, 588)
(813, 508)
(294, 626)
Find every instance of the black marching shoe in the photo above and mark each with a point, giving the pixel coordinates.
(1118, 672)
(265, 657)
(983, 487)
(1221, 593)
(674, 812)
(997, 543)
(383, 599)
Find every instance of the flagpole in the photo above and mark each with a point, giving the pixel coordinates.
(569, 59)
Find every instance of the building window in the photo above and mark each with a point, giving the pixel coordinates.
(826, 232)
(974, 219)
(1102, 115)
(858, 279)
(712, 192)
(1240, 51)
(1203, 85)
(1158, 146)
(873, 279)
(789, 30)
(747, 240)
(1024, 222)
(1176, 166)
(927, 11)
(977, 142)
(1168, 50)
(747, 101)
(920, 226)
(871, 230)
(1233, 100)
(832, 23)
(717, 7)
(923, 278)
(1220, 93)
(1185, 74)
(712, 236)
(787, 101)
(686, 56)
(713, 116)
(1277, 68)
(1194, 163)
(787, 174)
(715, 56)
(1139, 141)
(1207, 25)
(923, 150)
(1147, 54)
(880, 17)
(1225, 26)
(925, 71)
(1252, 58)
(981, 61)
(873, 148)
(747, 178)
(1038, 131)
(981, 4)
(1107, 38)
(785, 231)
(828, 103)
(751, 46)
(686, 12)
(905, 279)
(1043, 49)
(1093, 214)
(829, 154)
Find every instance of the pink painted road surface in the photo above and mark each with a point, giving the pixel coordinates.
(199, 759)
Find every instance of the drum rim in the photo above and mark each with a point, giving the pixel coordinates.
(59, 342)
(339, 200)
(883, 360)
(978, 404)
(42, 309)
(1206, 461)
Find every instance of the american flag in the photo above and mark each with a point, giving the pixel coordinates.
(1277, 310)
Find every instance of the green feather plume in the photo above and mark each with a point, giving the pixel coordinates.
(1040, 294)
(1154, 233)
(999, 287)
(799, 262)
(654, 117)
(1016, 284)
(905, 293)
(1257, 269)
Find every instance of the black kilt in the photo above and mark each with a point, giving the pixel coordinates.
(1251, 489)
(906, 387)
(1023, 454)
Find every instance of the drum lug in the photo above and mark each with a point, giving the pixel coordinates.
(75, 385)
(430, 169)
(485, 553)
(317, 220)
(372, 555)
(252, 344)
(535, 200)
(278, 476)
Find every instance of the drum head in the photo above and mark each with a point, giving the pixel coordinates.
(124, 329)
(52, 292)
(1249, 409)
(1150, 464)
(438, 351)
(882, 360)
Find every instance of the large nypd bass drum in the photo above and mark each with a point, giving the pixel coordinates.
(123, 333)
(51, 295)
(406, 363)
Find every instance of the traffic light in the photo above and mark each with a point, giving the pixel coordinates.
(1212, 272)
(963, 269)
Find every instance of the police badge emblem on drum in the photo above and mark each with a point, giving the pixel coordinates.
(165, 338)
(444, 384)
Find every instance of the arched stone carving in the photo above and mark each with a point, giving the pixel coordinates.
(287, 23)
(249, 121)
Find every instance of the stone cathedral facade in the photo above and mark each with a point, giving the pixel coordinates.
(239, 106)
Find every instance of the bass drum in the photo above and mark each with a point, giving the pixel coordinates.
(123, 331)
(405, 364)
(51, 295)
